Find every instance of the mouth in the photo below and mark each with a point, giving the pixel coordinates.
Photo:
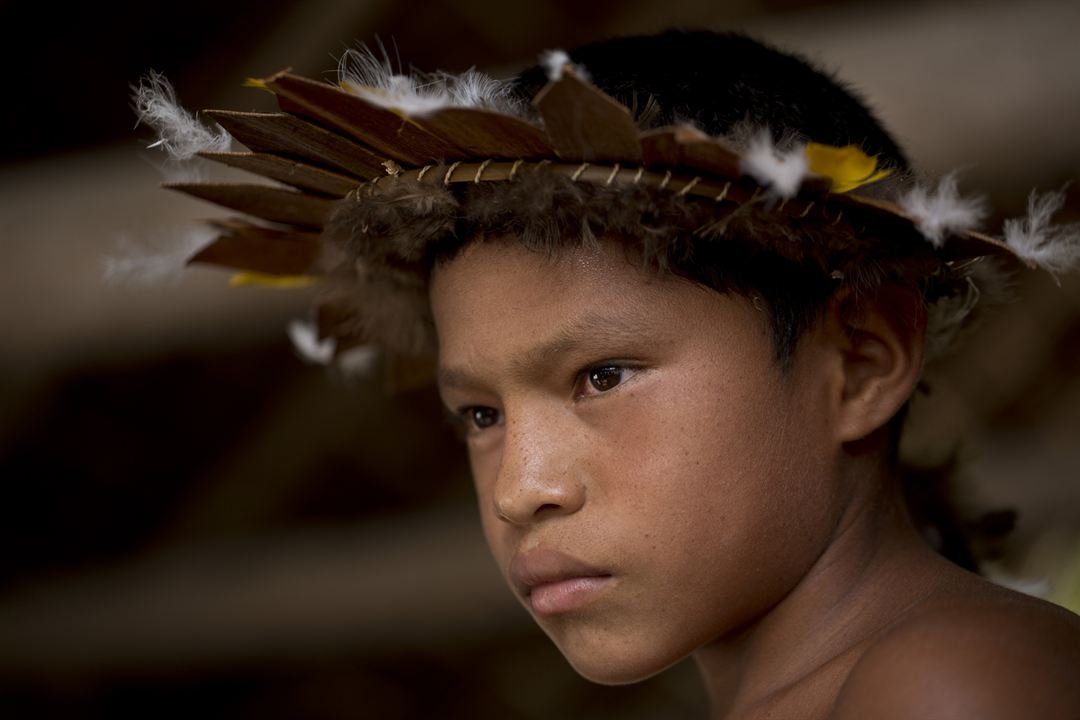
(552, 582)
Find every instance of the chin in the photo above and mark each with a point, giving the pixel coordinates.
(615, 662)
(616, 671)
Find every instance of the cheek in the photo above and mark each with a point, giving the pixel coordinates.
(722, 491)
(707, 439)
(758, 467)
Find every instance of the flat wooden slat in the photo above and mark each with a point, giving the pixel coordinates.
(244, 246)
(289, 136)
(685, 147)
(583, 123)
(487, 134)
(290, 172)
(961, 246)
(377, 127)
(263, 201)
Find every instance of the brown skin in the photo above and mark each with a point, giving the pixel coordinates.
(745, 515)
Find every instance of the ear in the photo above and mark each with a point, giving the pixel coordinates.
(878, 341)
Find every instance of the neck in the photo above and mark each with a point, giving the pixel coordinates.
(873, 569)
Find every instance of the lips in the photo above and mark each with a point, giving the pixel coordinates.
(553, 582)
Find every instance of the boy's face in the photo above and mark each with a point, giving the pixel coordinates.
(648, 479)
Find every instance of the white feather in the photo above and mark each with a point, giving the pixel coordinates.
(782, 172)
(940, 211)
(553, 61)
(947, 318)
(1055, 249)
(358, 361)
(156, 260)
(305, 339)
(476, 89)
(363, 73)
(179, 132)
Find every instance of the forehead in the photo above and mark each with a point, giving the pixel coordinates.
(498, 301)
(506, 281)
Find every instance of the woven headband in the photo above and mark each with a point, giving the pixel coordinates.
(344, 142)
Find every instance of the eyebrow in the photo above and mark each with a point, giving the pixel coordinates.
(592, 329)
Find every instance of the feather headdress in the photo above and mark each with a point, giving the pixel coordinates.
(373, 172)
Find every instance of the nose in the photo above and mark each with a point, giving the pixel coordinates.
(538, 475)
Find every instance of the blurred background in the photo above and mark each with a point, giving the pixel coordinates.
(196, 523)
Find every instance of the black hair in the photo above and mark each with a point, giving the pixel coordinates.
(720, 83)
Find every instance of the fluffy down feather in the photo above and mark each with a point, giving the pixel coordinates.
(358, 361)
(156, 260)
(979, 284)
(180, 134)
(553, 62)
(363, 73)
(1055, 249)
(940, 211)
(305, 339)
(781, 171)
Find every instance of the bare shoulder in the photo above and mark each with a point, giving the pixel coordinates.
(991, 654)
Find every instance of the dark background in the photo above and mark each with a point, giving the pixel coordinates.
(195, 523)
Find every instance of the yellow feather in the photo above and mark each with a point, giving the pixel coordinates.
(257, 84)
(848, 167)
(281, 282)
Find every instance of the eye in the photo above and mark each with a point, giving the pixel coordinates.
(601, 379)
(479, 417)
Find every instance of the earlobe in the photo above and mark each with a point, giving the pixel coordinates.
(879, 340)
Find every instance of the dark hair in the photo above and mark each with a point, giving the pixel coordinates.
(720, 83)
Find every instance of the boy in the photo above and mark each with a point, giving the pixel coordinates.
(680, 362)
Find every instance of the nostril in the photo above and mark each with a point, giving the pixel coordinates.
(547, 506)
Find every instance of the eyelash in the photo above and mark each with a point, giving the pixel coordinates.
(586, 377)
(469, 414)
(466, 416)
